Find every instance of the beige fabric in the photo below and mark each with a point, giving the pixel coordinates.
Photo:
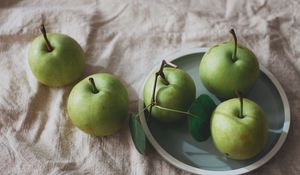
(127, 38)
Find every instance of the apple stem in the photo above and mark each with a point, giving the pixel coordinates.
(140, 113)
(238, 93)
(174, 110)
(48, 45)
(160, 73)
(94, 88)
(235, 45)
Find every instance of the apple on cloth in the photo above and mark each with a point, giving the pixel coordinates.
(228, 67)
(98, 104)
(170, 88)
(239, 128)
(56, 59)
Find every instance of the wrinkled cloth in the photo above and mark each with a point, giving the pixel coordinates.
(128, 38)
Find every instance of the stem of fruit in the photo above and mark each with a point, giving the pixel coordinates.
(48, 45)
(174, 110)
(167, 109)
(241, 103)
(94, 88)
(160, 73)
(138, 114)
(235, 45)
(153, 94)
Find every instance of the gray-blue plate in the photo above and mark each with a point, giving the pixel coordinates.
(174, 143)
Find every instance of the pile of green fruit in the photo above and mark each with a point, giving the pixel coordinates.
(98, 104)
(238, 126)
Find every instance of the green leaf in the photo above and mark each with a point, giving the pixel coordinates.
(138, 136)
(199, 122)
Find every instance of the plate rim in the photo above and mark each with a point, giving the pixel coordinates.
(169, 158)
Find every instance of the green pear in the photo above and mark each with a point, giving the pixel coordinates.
(56, 59)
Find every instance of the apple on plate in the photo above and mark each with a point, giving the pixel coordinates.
(239, 128)
(56, 59)
(227, 67)
(98, 104)
(175, 90)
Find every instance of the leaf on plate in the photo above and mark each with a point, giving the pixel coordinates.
(138, 136)
(199, 125)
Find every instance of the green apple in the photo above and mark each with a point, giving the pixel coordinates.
(56, 59)
(239, 128)
(227, 67)
(98, 104)
(177, 91)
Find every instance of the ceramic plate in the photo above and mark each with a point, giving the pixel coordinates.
(174, 143)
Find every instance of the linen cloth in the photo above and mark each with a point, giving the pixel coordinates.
(128, 38)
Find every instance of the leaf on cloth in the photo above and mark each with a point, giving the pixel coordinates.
(138, 136)
(199, 125)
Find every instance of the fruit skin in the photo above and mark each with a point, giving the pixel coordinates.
(60, 67)
(99, 114)
(240, 138)
(222, 76)
(179, 94)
